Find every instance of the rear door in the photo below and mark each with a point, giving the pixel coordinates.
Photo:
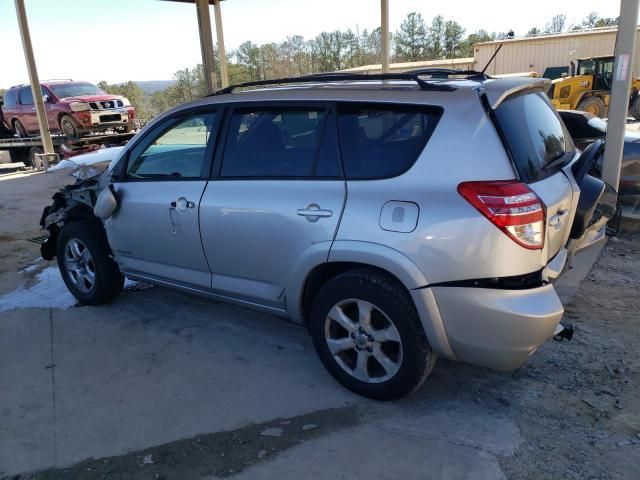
(27, 110)
(275, 200)
(541, 150)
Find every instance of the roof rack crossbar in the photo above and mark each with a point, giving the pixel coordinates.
(346, 76)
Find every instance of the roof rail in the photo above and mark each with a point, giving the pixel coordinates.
(438, 72)
(346, 76)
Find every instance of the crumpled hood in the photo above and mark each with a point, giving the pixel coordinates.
(89, 165)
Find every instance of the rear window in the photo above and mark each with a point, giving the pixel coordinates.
(273, 142)
(10, 98)
(380, 141)
(535, 135)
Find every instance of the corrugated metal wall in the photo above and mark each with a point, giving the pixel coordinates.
(539, 53)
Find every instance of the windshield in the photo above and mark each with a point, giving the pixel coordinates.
(64, 90)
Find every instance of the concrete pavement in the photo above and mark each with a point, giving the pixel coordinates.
(158, 366)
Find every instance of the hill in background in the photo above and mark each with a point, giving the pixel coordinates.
(150, 87)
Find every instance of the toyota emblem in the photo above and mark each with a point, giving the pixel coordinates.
(107, 104)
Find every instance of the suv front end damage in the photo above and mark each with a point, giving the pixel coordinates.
(76, 202)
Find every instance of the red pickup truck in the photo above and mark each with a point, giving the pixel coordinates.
(73, 108)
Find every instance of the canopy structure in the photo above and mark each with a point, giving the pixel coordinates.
(206, 42)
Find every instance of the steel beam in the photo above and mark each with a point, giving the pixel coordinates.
(47, 144)
(384, 40)
(620, 90)
(206, 46)
(222, 55)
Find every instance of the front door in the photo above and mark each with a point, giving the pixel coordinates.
(275, 201)
(155, 230)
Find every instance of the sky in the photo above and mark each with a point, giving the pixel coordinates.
(120, 40)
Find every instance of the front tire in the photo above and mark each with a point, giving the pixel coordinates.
(87, 269)
(19, 129)
(368, 335)
(69, 127)
(593, 105)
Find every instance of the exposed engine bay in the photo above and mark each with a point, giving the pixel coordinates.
(76, 202)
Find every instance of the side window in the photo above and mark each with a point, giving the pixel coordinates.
(10, 98)
(379, 141)
(273, 142)
(26, 97)
(177, 151)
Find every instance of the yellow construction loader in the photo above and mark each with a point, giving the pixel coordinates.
(589, 88)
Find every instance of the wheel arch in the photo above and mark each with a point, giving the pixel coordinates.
(317, 265)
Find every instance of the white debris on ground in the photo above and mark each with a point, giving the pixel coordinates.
(49, 290)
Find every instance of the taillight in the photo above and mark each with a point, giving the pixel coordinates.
(511, 206)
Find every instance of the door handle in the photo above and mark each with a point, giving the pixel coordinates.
(182, 204)
(313, 212)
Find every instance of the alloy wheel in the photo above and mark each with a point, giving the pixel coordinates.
(363, 341)
(80, 265)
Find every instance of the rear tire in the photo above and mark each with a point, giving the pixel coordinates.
(368, 335)
(36, 162)
(593, 105)
(87, 268)
(19, 129)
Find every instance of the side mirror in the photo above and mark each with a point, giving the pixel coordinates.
(106, 203)
(45, 98)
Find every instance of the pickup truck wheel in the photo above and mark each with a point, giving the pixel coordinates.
(123, 129)
(368, 335)
(69, 127)
(19, 129)
(36, 162)
(84, 260)
(593, 105)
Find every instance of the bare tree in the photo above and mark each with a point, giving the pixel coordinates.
(556, 25)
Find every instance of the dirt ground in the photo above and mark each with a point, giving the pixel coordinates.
(573, 409)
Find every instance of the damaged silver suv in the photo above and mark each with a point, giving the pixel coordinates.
(400, 217)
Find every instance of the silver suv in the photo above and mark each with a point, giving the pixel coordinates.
(398, 217)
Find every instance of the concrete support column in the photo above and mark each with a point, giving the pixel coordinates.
(206, 45)
(620, 90)
(224, 77)
(41, 113)
(384, 26)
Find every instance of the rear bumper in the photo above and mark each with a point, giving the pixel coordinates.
(496, 328)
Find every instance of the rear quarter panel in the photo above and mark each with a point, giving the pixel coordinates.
(452, 240)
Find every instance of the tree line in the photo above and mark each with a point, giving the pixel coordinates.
(415, 40)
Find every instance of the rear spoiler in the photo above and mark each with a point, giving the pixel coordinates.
(499, 90)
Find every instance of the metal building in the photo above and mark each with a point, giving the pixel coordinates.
(541, 52)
